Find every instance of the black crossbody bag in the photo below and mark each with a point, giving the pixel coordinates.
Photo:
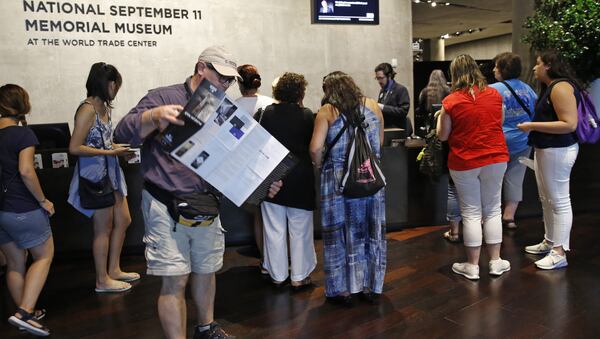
(96, 195)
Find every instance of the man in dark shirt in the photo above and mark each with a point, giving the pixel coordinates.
(393, 99)
(174, 250)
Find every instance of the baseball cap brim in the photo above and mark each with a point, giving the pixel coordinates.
(226, 70)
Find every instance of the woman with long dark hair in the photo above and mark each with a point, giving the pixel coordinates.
(24, 212)
(471, 121)
(552, 134)
(92, 143)
(353, 228)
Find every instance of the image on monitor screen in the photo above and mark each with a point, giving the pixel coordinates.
(345, 12)
(50, 136)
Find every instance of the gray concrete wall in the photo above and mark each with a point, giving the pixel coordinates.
(481, 49)
(275, 35)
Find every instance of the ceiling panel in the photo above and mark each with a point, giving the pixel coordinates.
(493, 16)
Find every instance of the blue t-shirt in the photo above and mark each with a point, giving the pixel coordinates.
(514, 114)
(18, 199)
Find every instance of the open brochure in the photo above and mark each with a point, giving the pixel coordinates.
(225, 146)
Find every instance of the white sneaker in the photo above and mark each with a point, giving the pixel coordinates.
(552, 261)
(499, 266)
(541, 248)
(467, 270)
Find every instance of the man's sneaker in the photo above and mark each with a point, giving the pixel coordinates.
(541, 248)
(467, 270)
(214, 332)
(499, 266)
(552, 261)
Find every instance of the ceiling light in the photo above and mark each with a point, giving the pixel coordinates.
(447, 4)
(433, 4)
(417, 1)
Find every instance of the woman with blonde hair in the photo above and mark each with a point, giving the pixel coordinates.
(471, 121)
(24, 212)
(353, 228)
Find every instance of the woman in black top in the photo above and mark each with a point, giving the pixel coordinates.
(292, 208)
(24, 212)
(552, 134)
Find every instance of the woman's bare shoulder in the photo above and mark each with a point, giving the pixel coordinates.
(328, 111)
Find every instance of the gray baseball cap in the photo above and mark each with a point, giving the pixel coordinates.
(221, 60)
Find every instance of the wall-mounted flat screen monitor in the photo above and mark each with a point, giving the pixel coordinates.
(50, 136)
(345, 12)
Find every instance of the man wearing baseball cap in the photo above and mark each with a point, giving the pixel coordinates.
(178, 252)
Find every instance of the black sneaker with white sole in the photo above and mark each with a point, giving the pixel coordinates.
(29, 323)
(214, 332)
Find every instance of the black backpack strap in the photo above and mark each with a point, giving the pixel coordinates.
(518, 98)
(337, 137)
(556, 81)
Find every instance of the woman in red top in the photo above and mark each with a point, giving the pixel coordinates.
(471, 121)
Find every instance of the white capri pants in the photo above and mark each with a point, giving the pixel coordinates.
(552, 173)
(278, 221)
(479, 194)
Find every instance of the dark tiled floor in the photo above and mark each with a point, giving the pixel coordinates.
(422, 297)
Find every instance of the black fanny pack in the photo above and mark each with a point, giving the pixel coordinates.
(191, 209)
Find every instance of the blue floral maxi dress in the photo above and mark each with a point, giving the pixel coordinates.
(353, 229)
(94, 168)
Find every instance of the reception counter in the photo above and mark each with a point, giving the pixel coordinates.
(411, 199)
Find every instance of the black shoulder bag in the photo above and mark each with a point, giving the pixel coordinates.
(96, 195)
(434, 156)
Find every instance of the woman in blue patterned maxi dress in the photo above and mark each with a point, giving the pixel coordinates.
(92, 142)
(353, 229)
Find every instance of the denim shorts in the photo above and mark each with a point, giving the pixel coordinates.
(26, 230)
